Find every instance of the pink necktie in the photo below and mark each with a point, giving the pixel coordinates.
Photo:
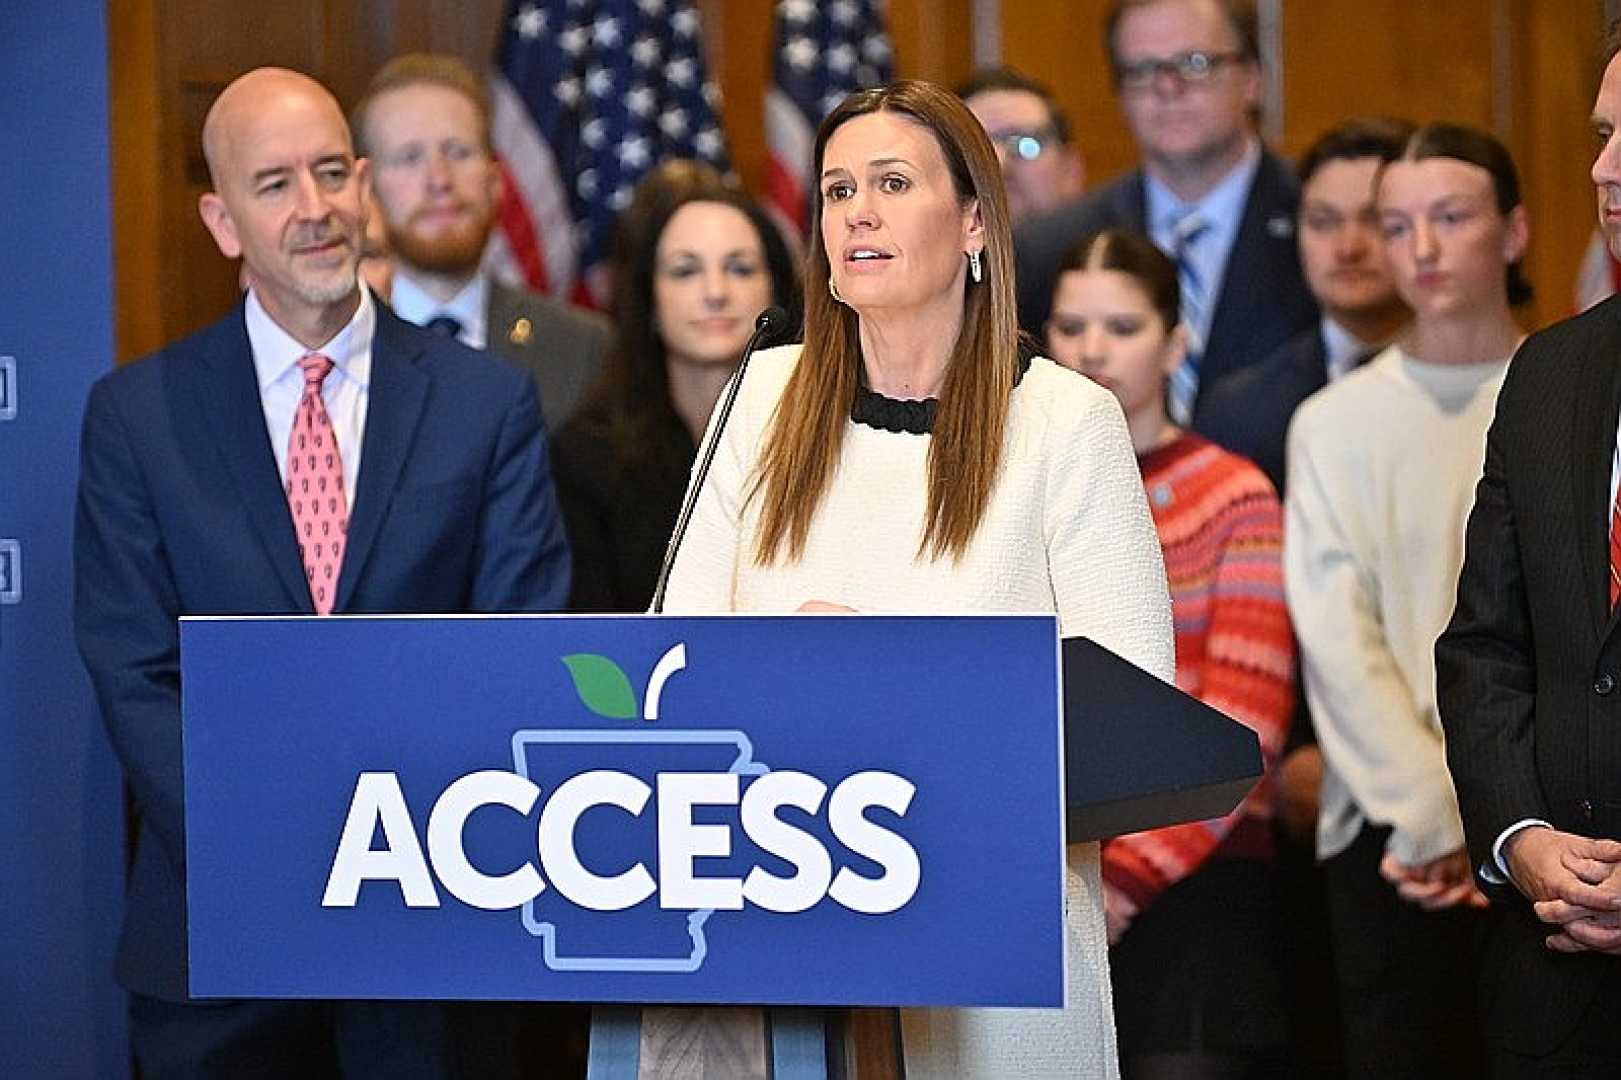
(1615, 553)
(315, 487)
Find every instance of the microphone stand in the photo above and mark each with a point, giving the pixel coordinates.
(771, 320)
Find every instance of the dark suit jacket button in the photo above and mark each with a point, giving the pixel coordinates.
(1604, 684)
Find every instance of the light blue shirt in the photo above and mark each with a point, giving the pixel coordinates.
(344, 392)
(413, 304)
(1223, 211)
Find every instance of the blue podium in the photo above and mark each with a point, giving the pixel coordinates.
(796, 811)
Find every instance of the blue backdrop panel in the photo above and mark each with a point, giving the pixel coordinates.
(61, 878)
(963, 708)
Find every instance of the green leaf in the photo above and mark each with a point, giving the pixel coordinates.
(602, 686)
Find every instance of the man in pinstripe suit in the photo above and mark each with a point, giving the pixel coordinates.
(1527, 681)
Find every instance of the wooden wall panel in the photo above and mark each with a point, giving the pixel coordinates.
(933, 40)
(1555, 79)
(134, 115)
(1440, 60)
(1341, 57)
(175, 57)
(1461, 60)
(1060, 42)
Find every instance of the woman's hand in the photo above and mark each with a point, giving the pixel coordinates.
(823, 607)
(1442, 883)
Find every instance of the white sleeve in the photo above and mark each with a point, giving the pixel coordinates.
(1103, 555)
(1496, 872)
(1372, 731)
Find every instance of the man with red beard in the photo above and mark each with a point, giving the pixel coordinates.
(425, 123)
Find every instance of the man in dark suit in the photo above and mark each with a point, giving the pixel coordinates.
(1344, 258)
(425, 126)
(1208, 194)
(1527, 683)
(308, 453)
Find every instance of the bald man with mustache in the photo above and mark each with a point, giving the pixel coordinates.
(200, 492)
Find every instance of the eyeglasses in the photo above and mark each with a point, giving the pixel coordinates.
(1192, 68)
(1025, 145)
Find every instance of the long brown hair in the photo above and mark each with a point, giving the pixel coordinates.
(630, 403)
(965, 455)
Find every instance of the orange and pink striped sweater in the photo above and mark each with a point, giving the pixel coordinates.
(1221, 529)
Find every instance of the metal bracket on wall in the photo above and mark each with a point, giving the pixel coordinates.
(8, 388)
(11, 572)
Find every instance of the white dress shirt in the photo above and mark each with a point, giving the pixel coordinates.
(1341, 349)
(344, 392)
(412, 303)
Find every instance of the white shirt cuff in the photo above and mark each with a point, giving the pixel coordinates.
(1498, 874)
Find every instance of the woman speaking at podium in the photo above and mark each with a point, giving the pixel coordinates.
(909, 457)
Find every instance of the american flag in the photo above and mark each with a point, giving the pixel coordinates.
(588, 96)
(824, 52)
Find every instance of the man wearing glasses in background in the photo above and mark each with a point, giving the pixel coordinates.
(1209, 194)
(1041, 168)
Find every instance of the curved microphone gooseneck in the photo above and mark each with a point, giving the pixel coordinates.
(771, 321)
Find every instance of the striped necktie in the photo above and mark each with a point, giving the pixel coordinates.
(1184, 386)
(1615, 554)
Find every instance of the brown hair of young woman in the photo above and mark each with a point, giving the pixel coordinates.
(965, 454)
(1132, 254)
(1482, 149)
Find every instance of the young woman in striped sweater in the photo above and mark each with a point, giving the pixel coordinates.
(1192, 911)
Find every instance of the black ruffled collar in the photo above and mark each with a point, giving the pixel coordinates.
(912, 417)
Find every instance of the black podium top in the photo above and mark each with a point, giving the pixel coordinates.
(1140, 754)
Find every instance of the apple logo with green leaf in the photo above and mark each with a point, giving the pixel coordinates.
(605, 689)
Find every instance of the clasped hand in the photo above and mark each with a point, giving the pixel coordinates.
(1574, 883)
(1440, 883)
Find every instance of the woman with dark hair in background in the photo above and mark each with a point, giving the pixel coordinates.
(698, 261)
(909, 458)
(1382, 472)
(1193, 911)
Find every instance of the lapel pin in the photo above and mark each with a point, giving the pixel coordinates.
(521, 332)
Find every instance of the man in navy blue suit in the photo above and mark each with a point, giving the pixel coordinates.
(1209, 194)
(440, 501)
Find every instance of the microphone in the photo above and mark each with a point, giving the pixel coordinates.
(772, 321)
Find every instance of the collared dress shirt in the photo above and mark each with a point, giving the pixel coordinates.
(344, 391)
